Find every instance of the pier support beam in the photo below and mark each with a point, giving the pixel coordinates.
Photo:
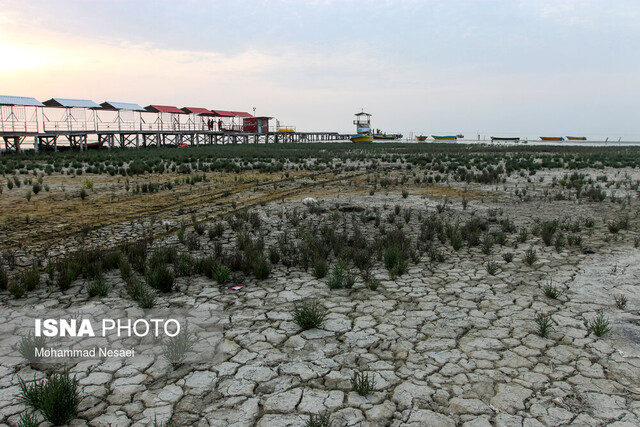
(12, 143)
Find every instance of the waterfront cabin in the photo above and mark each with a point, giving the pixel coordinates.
(18, 118)
(167, 119)
(256, 124)
(229, 121)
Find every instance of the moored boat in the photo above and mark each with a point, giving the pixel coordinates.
(386, 136)
(501, 138)
(445, 137)
(361, 137)
(577, 138)
(551, 138)
(421, 137)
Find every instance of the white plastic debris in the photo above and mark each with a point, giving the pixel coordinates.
(308, 201)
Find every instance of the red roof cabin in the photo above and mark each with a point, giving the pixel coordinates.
(168, 117)
(197, 118)
(231, 124)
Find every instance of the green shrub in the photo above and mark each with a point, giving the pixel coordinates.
(308, 315)
(31, 278)
(274, 255)
(395, 260)
(320, 268)
(192, 242)
(98, 287)
(547, 230)
(551, 291)
(125, 269)
(530, 256)
(508, 257)
(175, 348)
(216, 231)
(340, 277)
(92, 270)
(56, 397)
(373, 283)
(4, 278)
(492, 267)
(28, 345)
(487, 244)
(220, 273)
(68, 271)
(163, 255)
(161, 278)
(261, 268)
(137, 254)
(111, 259)
(184, 265)
(456, 240)
(17, 289)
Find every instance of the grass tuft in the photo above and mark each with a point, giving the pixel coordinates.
(319, 421)
(544, 325)
(551, 291)
(161, 278)
(28, 345)
(56, 397)
(363, 383)
(530, 256)
(492, 267)
(98, 287)
(599, 325)
(621, 301)
(28, 419)
(309, 315)
(175, 348)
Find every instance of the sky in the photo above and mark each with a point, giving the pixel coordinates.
(495, 67)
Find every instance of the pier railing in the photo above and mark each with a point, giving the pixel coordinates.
(67, 126)
(18, 127)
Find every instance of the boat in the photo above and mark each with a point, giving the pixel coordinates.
(500, 138)
(459, 136)
(386, 136)
(95, 145)
(361, 138)
(577, 138)
(551, 138)
(421, 137)
(445, 137)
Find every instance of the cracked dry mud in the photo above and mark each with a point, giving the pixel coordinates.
(448, 343)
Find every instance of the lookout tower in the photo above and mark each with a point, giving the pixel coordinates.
(363, 123)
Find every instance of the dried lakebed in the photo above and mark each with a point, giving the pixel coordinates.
(447, 342)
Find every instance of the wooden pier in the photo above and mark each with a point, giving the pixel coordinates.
(82, 140)
(81, 124)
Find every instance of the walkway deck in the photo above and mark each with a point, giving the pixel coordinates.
(80, 140)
